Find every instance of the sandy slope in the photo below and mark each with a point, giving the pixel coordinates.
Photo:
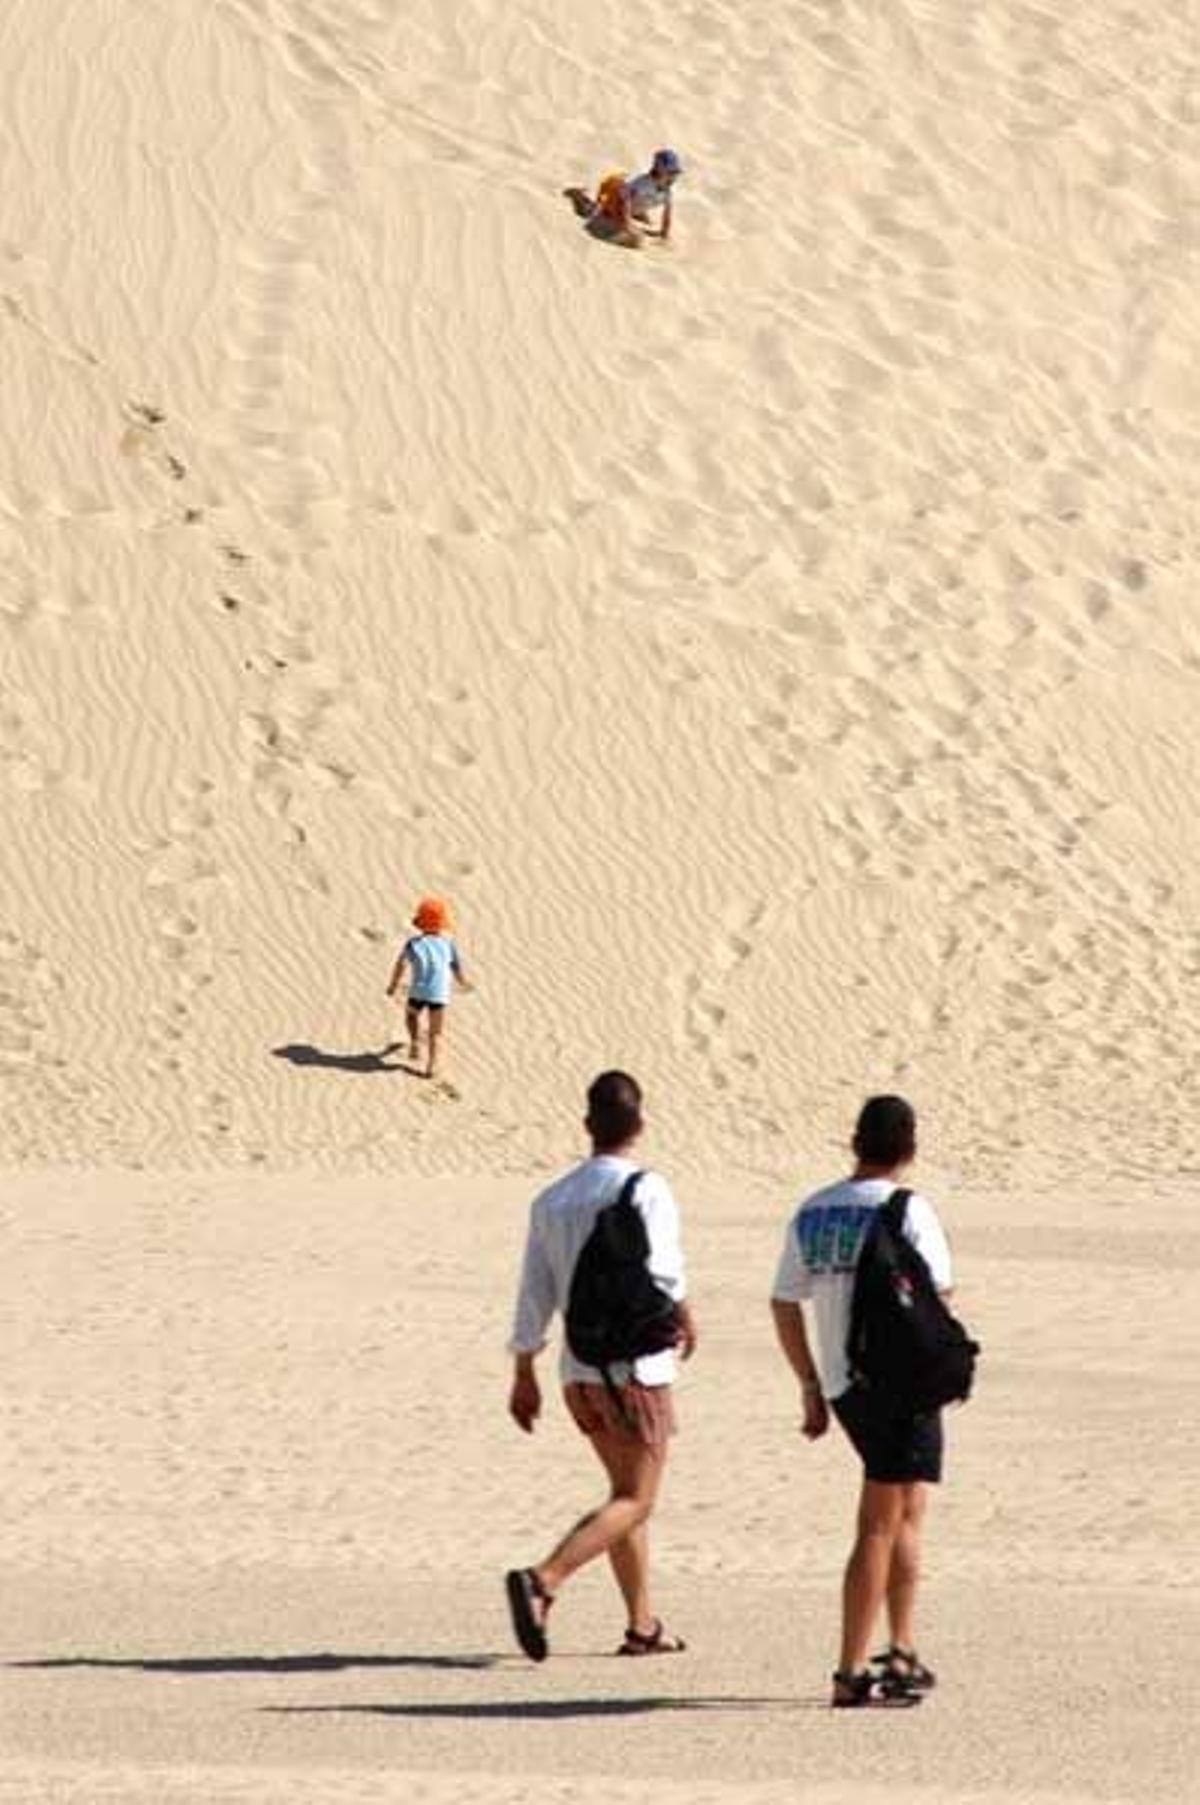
(782, 650)
(785, 637)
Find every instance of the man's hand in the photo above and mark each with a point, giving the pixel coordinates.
(688, 1336)
(816, 1413)
(525, 1399)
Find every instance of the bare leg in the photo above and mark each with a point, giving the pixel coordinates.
(412, 1021)
(630, 1562)
(435, 1035)
(865, 1586)
(906, 1566)
(630, 1557)
(618, 1527)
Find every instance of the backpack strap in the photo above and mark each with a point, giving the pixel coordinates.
(625, 1194)
(894, 1210)
(889, 1216)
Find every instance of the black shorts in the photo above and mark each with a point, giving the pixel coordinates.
(896, 1447)
(416, 1004)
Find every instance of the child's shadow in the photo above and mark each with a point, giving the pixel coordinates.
(300, 1053)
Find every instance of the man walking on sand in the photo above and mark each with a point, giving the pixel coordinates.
(901, 1451)
(629, 1430)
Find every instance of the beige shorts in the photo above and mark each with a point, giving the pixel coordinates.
(650, 1407)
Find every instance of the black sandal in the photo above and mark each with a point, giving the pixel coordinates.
(902, 1672)
(657, 1641)
(855, 1691)
(852, 1690)
(528, 1604)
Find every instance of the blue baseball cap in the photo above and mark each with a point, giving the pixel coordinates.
(668, 160)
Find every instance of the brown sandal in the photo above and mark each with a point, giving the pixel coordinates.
(657, 1641)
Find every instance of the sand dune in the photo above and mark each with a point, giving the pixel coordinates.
(788, 632)
(779, 647)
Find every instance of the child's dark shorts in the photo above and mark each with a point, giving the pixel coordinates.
(895, 1446)
(416, 1004)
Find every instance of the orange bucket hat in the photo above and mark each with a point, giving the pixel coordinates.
(432, 915)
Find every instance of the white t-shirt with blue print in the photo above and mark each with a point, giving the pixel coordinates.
(432, 958)
(820, 1253)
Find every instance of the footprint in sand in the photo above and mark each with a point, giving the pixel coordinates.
(706, 1013)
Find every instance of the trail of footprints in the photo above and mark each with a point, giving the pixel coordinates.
(28, 988)
(180, 876)
(289, 728)
(730, 1068)
(276, 733)
(1112, 974)
(48, 1104)
(31, 758)
(947, 795)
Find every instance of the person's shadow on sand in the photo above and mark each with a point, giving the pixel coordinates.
(307, 1663)
(299, 1053)
(500, 1710)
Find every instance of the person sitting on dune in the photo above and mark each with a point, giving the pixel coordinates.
(624, 204)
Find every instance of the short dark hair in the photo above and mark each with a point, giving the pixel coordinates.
(614, 1108)
(886, 1132)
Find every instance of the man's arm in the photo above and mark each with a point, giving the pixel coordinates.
(535, 1306)
(924, 1230)
(660, 1213)
(793, 1339)
(525, 1395)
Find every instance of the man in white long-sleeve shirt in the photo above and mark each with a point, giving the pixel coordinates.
(630, 1433)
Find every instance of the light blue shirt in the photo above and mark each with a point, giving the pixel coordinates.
(431, 958)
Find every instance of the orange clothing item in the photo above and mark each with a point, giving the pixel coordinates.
(609, 193)
(432, 915)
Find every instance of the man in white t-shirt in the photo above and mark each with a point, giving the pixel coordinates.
(901, 1452)
(629, 1431)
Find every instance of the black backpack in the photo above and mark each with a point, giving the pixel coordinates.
(903, 1341)
(616, 1310)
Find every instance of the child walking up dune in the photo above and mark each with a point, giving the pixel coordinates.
(434, 966)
